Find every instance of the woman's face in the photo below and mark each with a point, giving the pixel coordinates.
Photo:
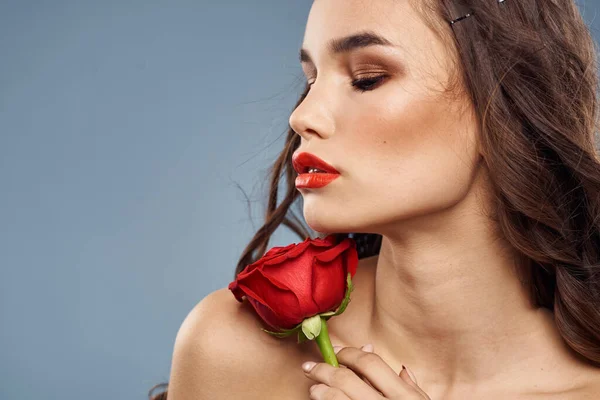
(403, 148)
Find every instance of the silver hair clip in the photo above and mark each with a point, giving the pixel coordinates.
(463, 17)
(469, 14)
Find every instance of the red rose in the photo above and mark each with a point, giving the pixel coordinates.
(292, 283)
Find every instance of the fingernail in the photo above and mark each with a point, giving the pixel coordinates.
(336, 349)
(307, 366)
(368, 348)
(410, 374)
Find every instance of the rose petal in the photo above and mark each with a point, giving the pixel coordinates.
(278, 250)
(285, 303)
(352, 260)
(299, 249)
(237, 292)
(333, 253)
(293, 282)
(268, 315)
(328, 285)
(329, 241)
(297, 276)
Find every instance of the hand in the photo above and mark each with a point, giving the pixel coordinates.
(367, 377)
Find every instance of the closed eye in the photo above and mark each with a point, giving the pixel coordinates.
(366, 84)
(361, 85)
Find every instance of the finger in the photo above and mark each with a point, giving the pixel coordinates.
(370, 384)
(336, 349)
(406, 376)
(343, 379)
(412, 376)
(322, 392)
(376, 370)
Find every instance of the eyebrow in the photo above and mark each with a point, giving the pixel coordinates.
(349, 43)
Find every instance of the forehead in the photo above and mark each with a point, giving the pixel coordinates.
(396, 20)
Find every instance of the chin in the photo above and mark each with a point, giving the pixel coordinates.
(322, 224)
(329, 224)
(321, 228)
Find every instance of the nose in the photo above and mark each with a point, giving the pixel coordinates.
(312, 117)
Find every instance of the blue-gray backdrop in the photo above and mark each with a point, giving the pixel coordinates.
(130, 133)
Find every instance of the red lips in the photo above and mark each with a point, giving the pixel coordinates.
(303, 161)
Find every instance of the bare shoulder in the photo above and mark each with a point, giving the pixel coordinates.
(221, 352)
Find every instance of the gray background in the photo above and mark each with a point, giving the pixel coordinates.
(130, 134)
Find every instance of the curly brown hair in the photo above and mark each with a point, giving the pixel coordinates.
(530, 69)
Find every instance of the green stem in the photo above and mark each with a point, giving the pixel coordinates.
(325, 346)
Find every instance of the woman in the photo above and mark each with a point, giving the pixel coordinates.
(464, 139)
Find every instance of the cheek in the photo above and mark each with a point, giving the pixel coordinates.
(406, 154)
(414, 154)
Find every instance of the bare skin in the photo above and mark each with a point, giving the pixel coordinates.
(445, 296)
(551, 372)
(222, 353)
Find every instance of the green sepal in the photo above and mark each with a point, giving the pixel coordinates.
(279, 334)
(302, 337)
(347, 297)
(285, 332)
(312, 327)
(342, 307)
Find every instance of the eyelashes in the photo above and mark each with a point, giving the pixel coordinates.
(367, 84)
(361, 85)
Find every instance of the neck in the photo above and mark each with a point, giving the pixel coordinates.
(450, 300)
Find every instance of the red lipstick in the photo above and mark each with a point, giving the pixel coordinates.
(324, 175)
